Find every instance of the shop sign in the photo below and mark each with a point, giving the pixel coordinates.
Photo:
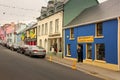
(85, 39)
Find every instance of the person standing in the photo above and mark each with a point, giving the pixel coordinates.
(79, 52)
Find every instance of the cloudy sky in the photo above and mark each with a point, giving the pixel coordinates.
(21, 10)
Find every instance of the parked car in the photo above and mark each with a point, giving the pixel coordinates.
(22, 48)
(9, 45)
(36, 51)
(14, 47)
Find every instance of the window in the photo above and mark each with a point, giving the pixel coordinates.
(51, 28)
(100, 51)
(89, 51)
(46, 28)
(56, 25)
(68, 50)
(72, 33)
(38, 30)
(99, 29)
(42, 29)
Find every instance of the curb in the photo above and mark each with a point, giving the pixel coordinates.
(81, 69)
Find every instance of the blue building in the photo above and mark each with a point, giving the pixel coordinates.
(97, 31)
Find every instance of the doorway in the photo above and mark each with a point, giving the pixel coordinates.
(80, 52)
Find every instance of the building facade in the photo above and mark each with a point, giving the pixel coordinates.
(98, 33)
(50, 27)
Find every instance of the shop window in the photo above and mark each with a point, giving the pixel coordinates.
(100, 52)
(68, 50)
(99, 29)
(72, 33)
(89, 51)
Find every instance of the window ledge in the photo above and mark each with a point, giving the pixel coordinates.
(68, 55)
(99, 36)
(100, 61)
(72, 38)
(89, 60)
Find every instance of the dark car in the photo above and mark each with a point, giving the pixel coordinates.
(22, 48)
(14, 47)
(35, 51)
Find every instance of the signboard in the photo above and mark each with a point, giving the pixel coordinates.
(85, 39)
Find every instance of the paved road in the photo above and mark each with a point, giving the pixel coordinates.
(15, 66)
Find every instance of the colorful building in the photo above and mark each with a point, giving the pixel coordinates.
(97, 31)
(18, 32)
(30, 35)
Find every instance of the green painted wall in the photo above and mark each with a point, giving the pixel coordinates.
(74, 7)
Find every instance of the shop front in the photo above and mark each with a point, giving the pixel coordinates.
(99, 43)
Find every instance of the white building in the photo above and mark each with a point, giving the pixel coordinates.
(49, 30)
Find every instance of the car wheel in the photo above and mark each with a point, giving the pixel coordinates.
(30, 55)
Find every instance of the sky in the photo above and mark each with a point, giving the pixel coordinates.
(21, 10)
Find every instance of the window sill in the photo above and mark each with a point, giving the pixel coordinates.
(100, 61)
(68, 55)
(72, 38)
(99, 36)
(90, 60)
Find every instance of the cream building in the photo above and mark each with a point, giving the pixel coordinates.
(49, 29)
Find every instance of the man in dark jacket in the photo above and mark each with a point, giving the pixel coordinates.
(80, 53)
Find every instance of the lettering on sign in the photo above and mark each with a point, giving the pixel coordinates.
(85, 39)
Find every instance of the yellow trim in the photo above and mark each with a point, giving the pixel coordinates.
(72, 39)
(102, 64)
(99, 36)
(119, 43)
(73, 59)
(100, 61)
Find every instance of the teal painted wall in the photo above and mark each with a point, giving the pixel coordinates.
(74, 7)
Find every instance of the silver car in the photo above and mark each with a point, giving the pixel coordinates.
(35, 51)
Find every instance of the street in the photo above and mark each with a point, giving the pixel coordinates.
(15, 66)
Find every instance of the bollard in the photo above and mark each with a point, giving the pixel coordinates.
(50, 58)
(74, 65)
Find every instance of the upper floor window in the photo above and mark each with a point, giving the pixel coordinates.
(51, 27)
(42, 29)
(56, 25)
(46, 28)
(99, 29)
(72, 33)
(100, 51)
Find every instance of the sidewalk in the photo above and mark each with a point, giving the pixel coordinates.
(89, 69)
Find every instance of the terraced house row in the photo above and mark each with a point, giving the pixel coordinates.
(65, 24)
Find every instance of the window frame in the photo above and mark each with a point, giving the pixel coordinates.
(87, 51)
(71, 33)
(56, 25)
(96, 54)
(97, 28)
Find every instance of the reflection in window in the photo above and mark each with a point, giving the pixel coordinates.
(72, 33)
(100, 51)
(89, 51)
(99, 30)
(68, 50)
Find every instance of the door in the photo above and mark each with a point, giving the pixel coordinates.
(80, 52)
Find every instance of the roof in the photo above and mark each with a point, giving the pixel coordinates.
(104, 11)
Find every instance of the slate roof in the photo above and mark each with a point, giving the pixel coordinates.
(104, 11)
